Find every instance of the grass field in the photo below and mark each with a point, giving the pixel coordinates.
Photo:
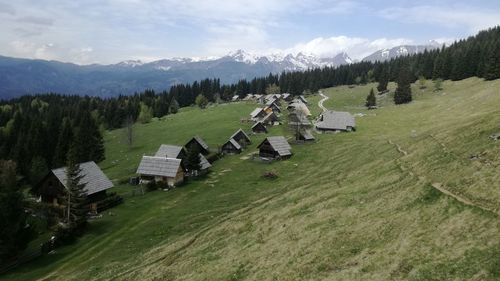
(348, 207)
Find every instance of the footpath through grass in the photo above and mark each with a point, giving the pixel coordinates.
(348, 207)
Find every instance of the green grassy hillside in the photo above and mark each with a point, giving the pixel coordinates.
(352, 206)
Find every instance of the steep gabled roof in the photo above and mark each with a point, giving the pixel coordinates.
(269, 117)
(234, 143)
(200, 141)
(279, 144)
(93, 177)
(306, 135)
(336, 120)
(259, 124)
(256, 112)
(204, 162)
(169, 151)
(159, 166)
(240, 131)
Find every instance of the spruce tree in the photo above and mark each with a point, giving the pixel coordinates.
(76, 207)
(63, 143)
(193, 162)
(403, 91)
(383, 81)
(371, 100)
(14, 230)
(492, 67)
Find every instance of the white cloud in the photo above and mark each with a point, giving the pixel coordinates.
(356, 47)
(450, 16)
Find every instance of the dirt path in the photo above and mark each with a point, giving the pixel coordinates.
(320, 103)
(439, 186)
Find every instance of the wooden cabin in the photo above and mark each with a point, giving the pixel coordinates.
(269, 119)
(305, 135)
(171, 151)
(257, 113)
(53, 186)
(231, 147)
(179, 152)
(241, 138)
(161, 169)
(336, 121)
(286, 97)
(275, 148)
(198, 143)
(259, 127)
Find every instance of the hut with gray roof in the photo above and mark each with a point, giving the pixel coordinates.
(336, 121)
(161, 169)
(231, 147)
(179, 152)
(270, 118)
(53, 186)
(305, 135)
(257, 114)
(198, 143)
(275, 147)
(241, 137)
(259, 127)
(171, 151)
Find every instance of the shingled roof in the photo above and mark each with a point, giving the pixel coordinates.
(256, 112)
(170, 151)
(306, 135)
(159, 166)
(259, 124)
(279, 144)
(233, 143)
(336, 120)
(93, 177)
(238, 133)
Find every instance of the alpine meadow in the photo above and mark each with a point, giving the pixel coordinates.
(284, 162)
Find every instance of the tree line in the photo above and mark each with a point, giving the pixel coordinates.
(38, 131)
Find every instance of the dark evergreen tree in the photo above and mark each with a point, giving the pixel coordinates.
(63, 143)
(193, 162)
(383, 81)
(15, 232)
(371, 100)
(492, 67)
(403, 90)
(75, 198)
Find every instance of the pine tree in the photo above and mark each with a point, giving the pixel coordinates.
(403, 91)
(174, 106)
(371, 100)
(14, 230)
(193, 162)
(76, 209)
(383, 81)
(492, 67)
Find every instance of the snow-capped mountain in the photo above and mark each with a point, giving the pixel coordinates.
(25, 76)
(276, 62)
(403, 50)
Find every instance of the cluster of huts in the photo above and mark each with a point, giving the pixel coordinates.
(168, 165)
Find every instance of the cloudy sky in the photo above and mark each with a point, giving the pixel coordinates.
(109, 31)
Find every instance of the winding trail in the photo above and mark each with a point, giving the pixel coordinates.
(439, 186)
(320, 103)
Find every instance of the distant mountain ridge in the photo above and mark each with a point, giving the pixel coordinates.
(29, 76)
(403, 50)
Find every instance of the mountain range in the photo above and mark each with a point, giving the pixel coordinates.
(28, 76)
